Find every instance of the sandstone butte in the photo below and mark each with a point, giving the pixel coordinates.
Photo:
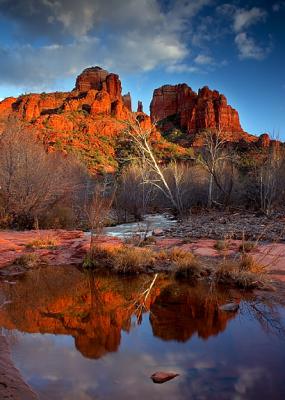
(179, 107)
(89, 120)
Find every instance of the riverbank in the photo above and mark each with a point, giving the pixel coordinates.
(220, 225)
(12, 385)
(58, 247)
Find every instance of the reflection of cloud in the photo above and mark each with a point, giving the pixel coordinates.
(247, 379)
(60, 372)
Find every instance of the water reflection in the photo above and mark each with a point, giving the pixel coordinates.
(181, 311)
(104, 337)
(96, 309)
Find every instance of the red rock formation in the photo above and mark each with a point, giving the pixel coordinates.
(91, 78)
(140, 106)
(180, 107)
(263, 140)
(86, 120)
(127, 100)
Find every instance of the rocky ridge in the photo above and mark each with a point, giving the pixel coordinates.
(86, 121)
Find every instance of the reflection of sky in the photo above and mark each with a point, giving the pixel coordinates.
(241, 363)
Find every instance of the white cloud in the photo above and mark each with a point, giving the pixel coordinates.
(249, 49)
(245, 18)
(180, 68)
(242, 19)
(124, 36)
(203, 59)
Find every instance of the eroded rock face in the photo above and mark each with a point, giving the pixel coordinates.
(91, 78)
(140, 106)
(179, 106)
(264, 140)
(88, 119)
(127, 100)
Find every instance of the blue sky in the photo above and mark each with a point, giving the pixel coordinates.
(236, 47)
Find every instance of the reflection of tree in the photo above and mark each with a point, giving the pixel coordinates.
(266, 313)
(141, 303)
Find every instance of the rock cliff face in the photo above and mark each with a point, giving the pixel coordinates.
(86, 121)
(89, 120)
(181, 108)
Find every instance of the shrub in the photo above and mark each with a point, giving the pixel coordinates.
(182, 262)
(97, 257)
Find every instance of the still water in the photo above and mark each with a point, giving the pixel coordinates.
(77, 336)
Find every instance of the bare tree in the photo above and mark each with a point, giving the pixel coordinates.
(32, 181)
(153, 173)
(134, 194)
(269, 179)
(214, 158)
(97, 208)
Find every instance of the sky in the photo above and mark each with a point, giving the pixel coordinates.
(235, 47)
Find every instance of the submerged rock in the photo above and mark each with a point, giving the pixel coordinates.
(161, 376)
(230, 307)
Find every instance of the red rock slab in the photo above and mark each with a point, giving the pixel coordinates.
(12, 385)
(70, 249)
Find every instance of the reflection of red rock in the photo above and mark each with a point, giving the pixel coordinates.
(93, 310)
(182, 311)
(179, 106)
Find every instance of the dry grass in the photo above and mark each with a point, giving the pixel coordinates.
(123, 260)
(246, 247)
(43, 242)
(29, 260)
(134, 260)
(185, 264)
(221, 245)
(244, 272)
